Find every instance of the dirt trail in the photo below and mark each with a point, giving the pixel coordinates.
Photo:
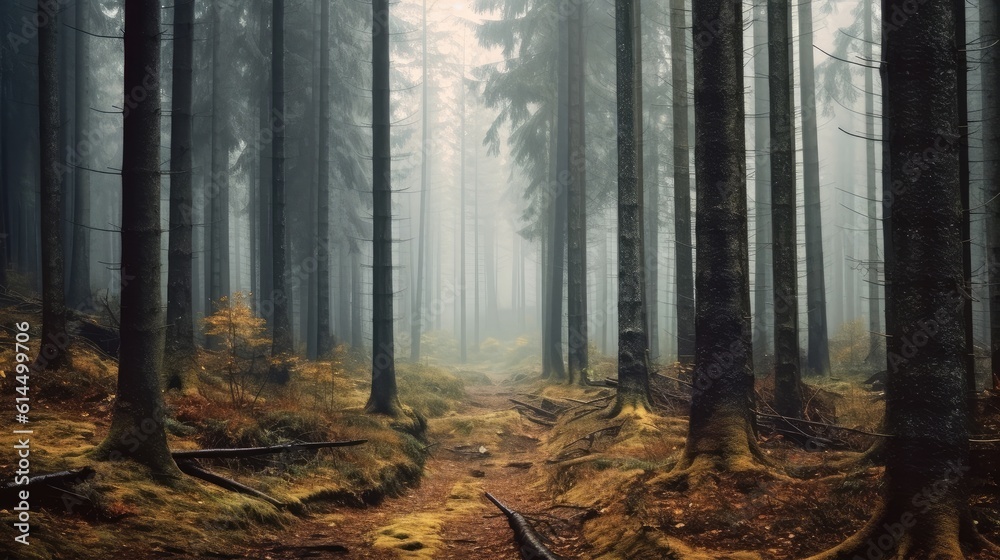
(433, 520)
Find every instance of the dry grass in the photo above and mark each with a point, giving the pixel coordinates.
(324, 401)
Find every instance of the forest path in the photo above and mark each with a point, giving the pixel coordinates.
(446, 516)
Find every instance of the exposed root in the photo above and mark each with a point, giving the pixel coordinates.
(871, 458)
(908, 535)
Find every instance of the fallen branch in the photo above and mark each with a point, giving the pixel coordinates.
(535, 409)
(524, 534)
(241, 452)
(538, 421)
(54, 480)
(188, 467)
(820, 424)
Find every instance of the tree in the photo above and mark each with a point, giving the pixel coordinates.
(819, 344)
(180, 321)
(682, 185)
(383, 399)
(763, 288)
(137, 423)
(79, 286)
(54, 339)
(926, 409)
(787, 377)
(720, 434)
(577, 337)
(323, 334)
(633, 344)
(990, 32)
(281, 336)
(875, 353)
(416, 328)
(217, 193)
(552, 361)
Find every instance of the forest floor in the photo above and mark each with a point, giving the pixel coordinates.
(481, 448)
(601, 498)
(592, 486)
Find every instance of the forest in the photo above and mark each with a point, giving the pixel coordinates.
(500, 279)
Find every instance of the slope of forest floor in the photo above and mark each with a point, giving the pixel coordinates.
(588, 484)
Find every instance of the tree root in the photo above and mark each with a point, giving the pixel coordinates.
(900, 535)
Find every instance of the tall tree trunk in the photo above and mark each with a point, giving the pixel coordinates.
(79, 289)
(180, 349)
(343, 293)
(323, 334)
(819, 346)
(640, 152)
(281, 336)
(652, 238)
(383, 398)
(217, 193)
(475, 249)
(578, 337)
(787, 377)
(4, 189)
(462, 268)
(876, 356)
(633, 357)
(417, 324)
(357, 327)
(264, 180)
(552, 360)
(52, 354)
(990, 64)
(139, 409)
(963, 179)
(763, 256)
(682, 185)
(925, 389)
(721, 429)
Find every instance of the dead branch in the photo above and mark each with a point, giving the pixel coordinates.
(524, 534)
(53, 480)
(189, 467)
(535, 409)
(254, 451)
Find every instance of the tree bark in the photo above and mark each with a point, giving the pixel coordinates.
(323, 331)
(721, 429)
(417, 324)
(180, 349)
(682, 184)
(137, 423)
(552, 361)
(281, 338)
(578, 337)
(633, 357)
(819, 345)
(52, 354)
(990, 64)
(787, 376)
(217, 192)
(926, 409)
(383, 398)
(876, 354)
(264, 179)
(79, 292)
(763, 286)
(963, 181)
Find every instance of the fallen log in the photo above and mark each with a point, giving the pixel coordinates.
(190, 468)
(525, 535)
(241, 452)
(535, 409)
(53, 480)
